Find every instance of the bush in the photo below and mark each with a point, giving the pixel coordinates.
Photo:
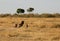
(56, 26)
(57, 15)
(47, 15)
(5, 15)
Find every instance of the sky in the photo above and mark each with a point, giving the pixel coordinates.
(40, 6)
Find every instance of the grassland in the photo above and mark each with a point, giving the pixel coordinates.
(39, 29)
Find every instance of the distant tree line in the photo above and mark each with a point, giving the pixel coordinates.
(43, 15)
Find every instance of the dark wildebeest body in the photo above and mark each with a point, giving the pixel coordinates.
(21, 24)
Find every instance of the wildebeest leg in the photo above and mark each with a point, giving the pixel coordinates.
(27, 25)
(21, 24)
(16, 25)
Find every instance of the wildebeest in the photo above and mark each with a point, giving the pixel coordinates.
(21, 24)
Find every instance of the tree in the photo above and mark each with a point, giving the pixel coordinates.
(30, 9)
(19, 10)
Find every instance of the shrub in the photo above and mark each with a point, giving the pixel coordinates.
(47, 15)
(5, 15)
(56, 26)
(55, 38)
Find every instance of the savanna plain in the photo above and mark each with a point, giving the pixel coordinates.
(38, 29)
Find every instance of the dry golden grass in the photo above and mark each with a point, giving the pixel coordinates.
(39, 29)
